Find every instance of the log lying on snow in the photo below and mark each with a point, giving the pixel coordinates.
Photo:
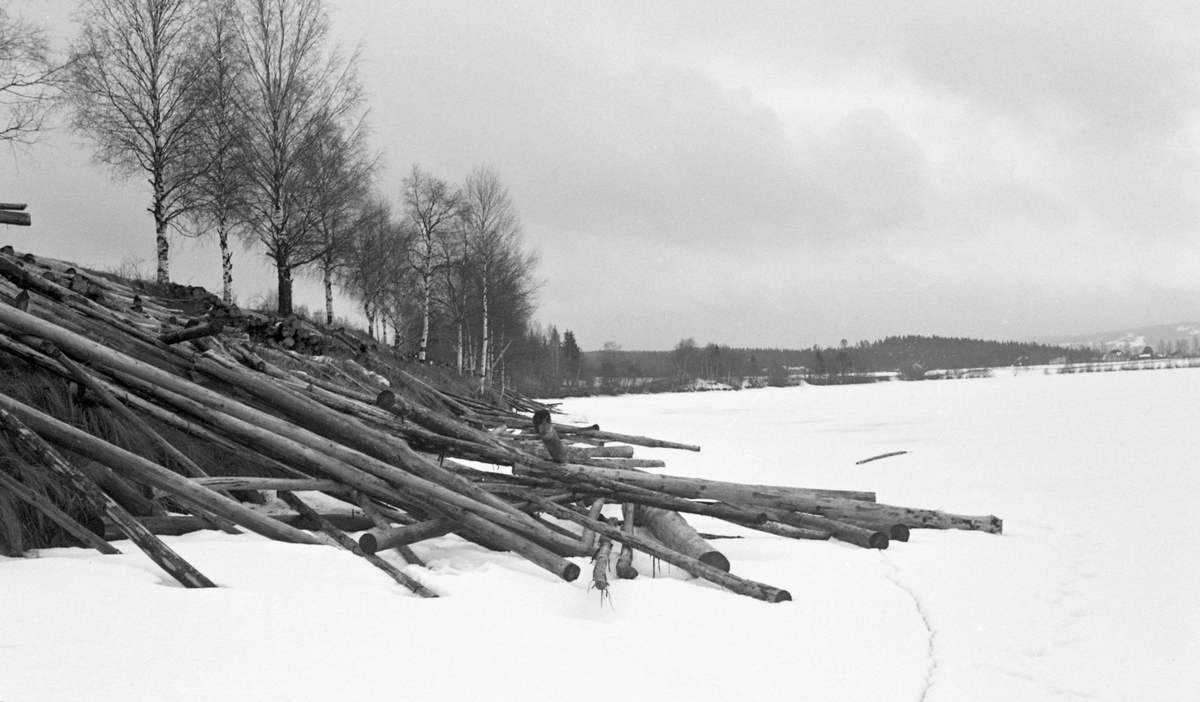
(677, 535)
(703, 570)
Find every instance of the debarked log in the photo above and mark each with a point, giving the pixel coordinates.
(677, 535)
(754, 497)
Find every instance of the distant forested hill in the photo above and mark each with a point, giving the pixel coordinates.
(898, 353)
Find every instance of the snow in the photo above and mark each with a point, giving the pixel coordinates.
(1089, 593)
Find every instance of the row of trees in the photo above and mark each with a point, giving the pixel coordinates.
(248, 124)
(612, 369)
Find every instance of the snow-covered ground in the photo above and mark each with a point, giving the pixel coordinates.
(1089, 594)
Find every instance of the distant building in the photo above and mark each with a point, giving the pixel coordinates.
(1147, 352)
(1115, 355)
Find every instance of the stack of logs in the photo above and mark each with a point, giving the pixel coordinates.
(404, 454)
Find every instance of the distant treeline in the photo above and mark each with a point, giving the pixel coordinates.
(561, 368)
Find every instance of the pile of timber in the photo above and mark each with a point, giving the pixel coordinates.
(364, 431)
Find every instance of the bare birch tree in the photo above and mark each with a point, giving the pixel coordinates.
(297, 87)
(218, 193)
(340, 173)
(432, 206)
(135, 71)
(492, 235)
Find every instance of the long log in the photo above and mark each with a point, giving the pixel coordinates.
(251, 483)
(179, 524)
(35, 446)
(590, 432)
(47, 507)
(791, 532)
(676, 534)
(730, 582)
(149, 473)
(842, 531)
(756, 496)
(350, 545)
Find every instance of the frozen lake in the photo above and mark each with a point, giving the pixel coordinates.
(1089, 594)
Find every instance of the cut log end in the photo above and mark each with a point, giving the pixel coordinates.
(570, 572)
(716, 559)
(368, 543)
(878, 540)
(779, 596)
(385, 399)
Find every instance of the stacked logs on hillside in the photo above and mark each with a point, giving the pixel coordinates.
(402, 456)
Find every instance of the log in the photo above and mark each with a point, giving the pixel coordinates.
(545, 431)
(730, 582)
(676, 534)
(179, 524)
(20, 219)
(625, 569)
(44, 505)
(747, 496)
(350, 545)
(292, 484)
(791, 532)
(32, 444)
(850, 533)
(594, 433)
(895, 532)
(379, 539)
(601, 451)
(189, 333)
(589, 537)
(149, 473)
(600, 564)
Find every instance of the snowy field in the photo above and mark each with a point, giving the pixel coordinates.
(1091, 593)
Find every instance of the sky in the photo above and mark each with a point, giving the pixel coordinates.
(768, 174)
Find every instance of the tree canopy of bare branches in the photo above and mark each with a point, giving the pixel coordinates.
(218, 193)
(300, 91)
(135, 73)
(29, 79)
(434, 207)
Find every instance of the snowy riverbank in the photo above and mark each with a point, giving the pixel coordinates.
(1087, 594)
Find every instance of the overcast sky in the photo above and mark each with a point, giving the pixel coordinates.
(767, 173)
